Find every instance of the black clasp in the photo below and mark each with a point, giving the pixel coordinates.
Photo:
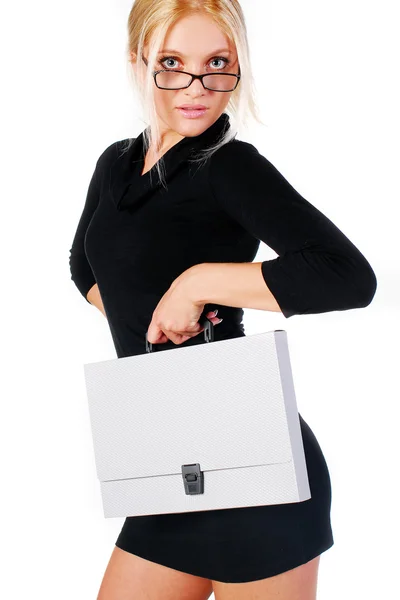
(193, 479)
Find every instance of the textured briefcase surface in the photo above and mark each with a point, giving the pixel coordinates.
(202, 427)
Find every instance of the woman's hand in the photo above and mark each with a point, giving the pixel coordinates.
(176, 315)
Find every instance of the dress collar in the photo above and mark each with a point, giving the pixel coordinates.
(126, 184)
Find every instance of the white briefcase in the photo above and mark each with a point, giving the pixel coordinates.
(211, 426)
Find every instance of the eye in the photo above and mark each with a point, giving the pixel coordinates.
(164, 59)
(170, 58)
(224, 60)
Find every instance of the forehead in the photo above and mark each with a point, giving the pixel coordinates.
(196, 36)
(224, 50)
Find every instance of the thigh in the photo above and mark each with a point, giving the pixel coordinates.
(296, 584)
(130, 577)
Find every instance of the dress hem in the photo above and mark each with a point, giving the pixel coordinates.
(270, 571)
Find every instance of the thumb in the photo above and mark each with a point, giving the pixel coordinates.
(197, 327)
(154, 333)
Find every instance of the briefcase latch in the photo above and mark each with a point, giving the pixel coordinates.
(193, 479)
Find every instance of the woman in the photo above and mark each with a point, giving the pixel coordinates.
(168, 233)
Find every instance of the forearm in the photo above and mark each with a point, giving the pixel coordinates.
(231, 284)
(94, 298)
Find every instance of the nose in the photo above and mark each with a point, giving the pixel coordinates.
(196, 87)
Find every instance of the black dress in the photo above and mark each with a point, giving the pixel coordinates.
(136, 236)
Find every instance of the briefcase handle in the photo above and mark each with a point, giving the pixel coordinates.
(204, 322)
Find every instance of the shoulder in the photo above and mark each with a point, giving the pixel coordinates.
(241, 163)
(234, 149)
(112, 152)
(235, 157)
(234, 164)
(110, 159)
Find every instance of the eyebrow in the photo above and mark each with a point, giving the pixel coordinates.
(180, 53)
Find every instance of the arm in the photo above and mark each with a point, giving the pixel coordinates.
(230, 284)
(81, 272)
(318, 269)
(94, 298)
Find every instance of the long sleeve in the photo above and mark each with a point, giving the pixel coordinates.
(318, 269)
(81, 272)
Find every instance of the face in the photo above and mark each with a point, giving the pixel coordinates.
(198, 46)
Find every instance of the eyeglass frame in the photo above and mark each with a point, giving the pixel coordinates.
(193, 76)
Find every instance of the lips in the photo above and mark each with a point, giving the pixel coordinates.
(193, 107)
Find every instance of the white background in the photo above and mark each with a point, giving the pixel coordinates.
(327, 81)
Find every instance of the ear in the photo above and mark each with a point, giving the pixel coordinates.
(133, 62)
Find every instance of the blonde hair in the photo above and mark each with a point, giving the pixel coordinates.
(148, 23)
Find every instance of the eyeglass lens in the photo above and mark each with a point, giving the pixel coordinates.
(214, 81)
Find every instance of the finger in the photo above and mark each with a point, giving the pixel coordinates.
(155, 335)
(177, 338)
(181, 337)
(215, 321)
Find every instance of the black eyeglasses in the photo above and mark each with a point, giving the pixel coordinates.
(170, 79)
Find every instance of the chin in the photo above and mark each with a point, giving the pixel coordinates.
(198, 125)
